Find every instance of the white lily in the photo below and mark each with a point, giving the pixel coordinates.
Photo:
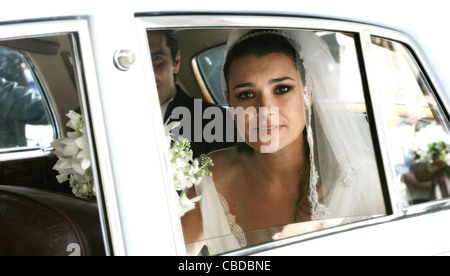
(74, 162)
(62, 177)
(82, 142)
(70, 148)
(74, 119)
(185, 170)
(187, 204)
(63, 165)
(76, 165)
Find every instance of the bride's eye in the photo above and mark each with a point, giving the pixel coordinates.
(282, 89)
(246, 95)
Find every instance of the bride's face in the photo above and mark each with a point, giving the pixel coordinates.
(270, 86)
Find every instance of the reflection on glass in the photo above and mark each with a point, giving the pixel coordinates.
(274, 233)
(417, 132)
(210, 65)
(24, 119)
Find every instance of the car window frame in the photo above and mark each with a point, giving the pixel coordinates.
(363, 33)
(434, 89)
(86, 82)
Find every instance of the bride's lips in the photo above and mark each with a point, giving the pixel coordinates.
(269, 129)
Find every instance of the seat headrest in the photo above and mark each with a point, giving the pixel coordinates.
(37, 222)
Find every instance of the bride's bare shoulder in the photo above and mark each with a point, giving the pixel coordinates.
(224, 160)
(226, 169)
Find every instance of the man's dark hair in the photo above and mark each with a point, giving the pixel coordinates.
(172, 42)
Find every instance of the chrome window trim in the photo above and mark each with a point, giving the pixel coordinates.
(364, 31)
(21, 153)
(96, 130)
(142, 26)
(20, 149)
(90, 100)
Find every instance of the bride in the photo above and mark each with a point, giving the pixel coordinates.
(312, 157)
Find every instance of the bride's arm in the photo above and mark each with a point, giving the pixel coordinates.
(192, 222)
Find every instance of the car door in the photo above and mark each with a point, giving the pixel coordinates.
(46, 71)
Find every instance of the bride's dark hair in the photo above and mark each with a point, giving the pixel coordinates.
(262, 43)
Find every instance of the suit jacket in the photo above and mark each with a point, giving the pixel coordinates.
(195, 130)
(19, 106)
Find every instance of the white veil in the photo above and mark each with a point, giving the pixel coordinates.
(343, 164)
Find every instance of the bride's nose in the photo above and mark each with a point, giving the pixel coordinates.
(267, 106)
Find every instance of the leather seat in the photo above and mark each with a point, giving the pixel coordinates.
(35, 222)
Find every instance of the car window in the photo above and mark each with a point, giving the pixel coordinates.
(343, 67)
(417, 129)
(209, 63)
(45, 142)
(24, 115)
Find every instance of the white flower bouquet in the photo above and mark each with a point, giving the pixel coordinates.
(74, 160)
(186, 171)
(432, 146)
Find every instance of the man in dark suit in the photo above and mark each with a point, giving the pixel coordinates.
(203, 123)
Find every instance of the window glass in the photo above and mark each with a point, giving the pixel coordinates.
(417, 130)
(341, 48)
(311, 165)
(24, 117)
(41, 108)
(209, 63)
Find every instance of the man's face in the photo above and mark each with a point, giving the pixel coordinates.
(164, 66)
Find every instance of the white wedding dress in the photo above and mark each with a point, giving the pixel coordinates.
(222, 233)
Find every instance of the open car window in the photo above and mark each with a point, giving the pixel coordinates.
(207, 66)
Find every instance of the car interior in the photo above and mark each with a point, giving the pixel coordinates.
(189, 76)
(38, 215)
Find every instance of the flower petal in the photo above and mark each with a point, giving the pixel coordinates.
(185, 204)
(82, 142)
(77, 167)
(62, 177)
(85, 163)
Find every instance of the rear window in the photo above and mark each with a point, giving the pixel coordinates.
(24, 115)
